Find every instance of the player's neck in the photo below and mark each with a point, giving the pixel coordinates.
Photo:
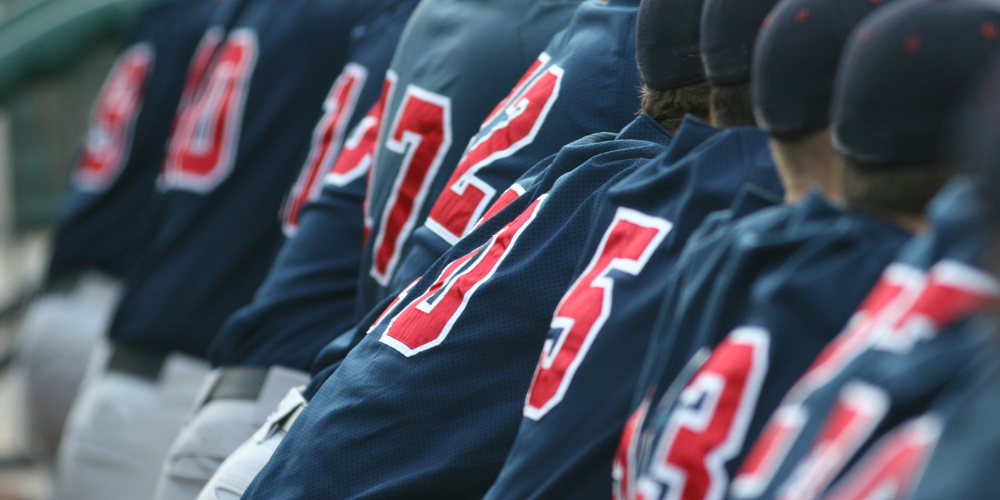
(798, 187)
(806, 164)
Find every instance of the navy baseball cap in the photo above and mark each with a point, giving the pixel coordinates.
(728, 31)
(976, 139)
(904, 72)
(667, 36)
(795, 62)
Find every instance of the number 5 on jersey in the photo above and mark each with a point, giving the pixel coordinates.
(627, 245)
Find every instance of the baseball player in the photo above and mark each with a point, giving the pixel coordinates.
(458, 345)
(563, 96)
(711, 295)
(310, 287)
(238, 140)
(910, 377)
(96, 238)
(305, 302)
(882, 391)
(794, 308)
(969, 431)
(580, 395)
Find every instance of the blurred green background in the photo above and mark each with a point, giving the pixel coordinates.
(54, 55)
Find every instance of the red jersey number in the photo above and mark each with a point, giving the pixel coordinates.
(360, 147)
(512, 193)
(421, 133)
(112, 120)
(203, 144)
(462, 203)
(894, 464)
(426, 322)
(858, 410)
(627, 245)
(905, 307)
(200, 61)
(623, 466)
(707, 426)
(326, 142)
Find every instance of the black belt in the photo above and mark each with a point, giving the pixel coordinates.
(136, 361)
(238, 382)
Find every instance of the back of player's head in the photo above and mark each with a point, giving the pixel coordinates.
(728, 31)
(902, 75)
(977, 144)
(904, 71)
(667, 37)
(795, 62)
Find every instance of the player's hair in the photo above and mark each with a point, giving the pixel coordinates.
(669, 106)
(732, 106)
(903, 190)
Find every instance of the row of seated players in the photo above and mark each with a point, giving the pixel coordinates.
(314, 280)
(433, 388)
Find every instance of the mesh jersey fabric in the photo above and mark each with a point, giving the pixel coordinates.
(437, 420)
(903, 369)
(795, 273)
(463, 58)
(596, 90)
(310, 290)
(210, 246)
(567, 452)
(98, 222)
(537, 181)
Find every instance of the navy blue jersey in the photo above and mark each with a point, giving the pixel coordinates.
(116, 166)
(794, 275)
(427, 404)
(943, 403)
(907, 350)
(238, 143)
(585, 82)
(310, 290)
(456, 60)
(581, 392)
(536, 181)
